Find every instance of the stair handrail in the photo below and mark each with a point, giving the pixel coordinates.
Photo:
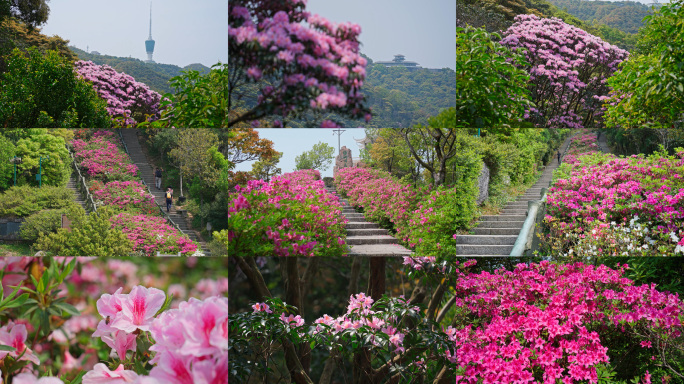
(82, 186)
(164, 214)
(525, 237)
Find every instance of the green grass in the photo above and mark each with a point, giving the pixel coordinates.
(16, 250)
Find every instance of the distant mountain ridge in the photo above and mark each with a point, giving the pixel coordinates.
(626, 16)
(155, 75)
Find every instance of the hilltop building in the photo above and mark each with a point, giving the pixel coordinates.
(149, 43)
(399, 61)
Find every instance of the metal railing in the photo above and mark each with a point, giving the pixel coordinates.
(82, 186)
(535, 212)
(164, 214)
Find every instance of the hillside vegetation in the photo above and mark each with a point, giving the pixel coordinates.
(155, 75)
(497, 16)
(626, 16)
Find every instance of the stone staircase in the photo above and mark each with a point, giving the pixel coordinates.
(495, 235)
(146, 172)
(73, 185)
(365, 238)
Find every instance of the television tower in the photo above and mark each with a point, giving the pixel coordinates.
(149, 43)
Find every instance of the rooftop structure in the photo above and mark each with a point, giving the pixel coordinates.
(149, 43)
(399, 61)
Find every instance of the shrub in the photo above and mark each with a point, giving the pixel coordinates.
(290, 215)
(41, 223)
(126, 195)
(55, 170)
(43, 91)
(102, 159)
(24, 200)
(89, 235)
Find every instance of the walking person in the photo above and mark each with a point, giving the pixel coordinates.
(559, 156)
(157, 177)
(169, 198)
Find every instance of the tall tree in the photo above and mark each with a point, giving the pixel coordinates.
(244, 144)
(266, 168)
(32, 12)
(192, 153)
(319, 157)
(442, 141)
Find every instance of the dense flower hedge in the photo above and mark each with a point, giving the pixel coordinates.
(151, 234)
(129, 195)
(102, 159)
(604, 205)
(293, 214)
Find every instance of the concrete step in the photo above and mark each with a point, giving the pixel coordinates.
(354, 216)
(360, 225)
(378, 250)
(483, 250)
(503, 218)
(500, 224)
(496, 231)
(514, 211)
(366, 232)
(486, 239)
(377, 239)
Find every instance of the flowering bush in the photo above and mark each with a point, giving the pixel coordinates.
(568, 69)
(595, 196)
(128, 195)
(151, 234)
(293, 214)
(315, 67)
(384, 199)
(125, 97)
(101, 159)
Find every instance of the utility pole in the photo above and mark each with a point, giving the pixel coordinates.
(39, 176)
(338, 132)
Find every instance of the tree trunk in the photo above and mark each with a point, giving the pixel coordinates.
(376, 280)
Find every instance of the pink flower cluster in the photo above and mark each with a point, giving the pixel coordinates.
(319, 66)
(126, 195)
(310, 218)
(549, 318)
(604, 189)
(191, 342)
(150, 234)
(102, 159)
(568, 69)
(381, 195)
(123, 94)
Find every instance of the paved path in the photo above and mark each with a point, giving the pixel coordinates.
(365, 238)
(603, 143)
(495, 235)
(73, 185)
(130, 137)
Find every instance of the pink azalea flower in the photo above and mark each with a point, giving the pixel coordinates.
(102, 375)
(139, 308)
(29, 378)
(14, 335)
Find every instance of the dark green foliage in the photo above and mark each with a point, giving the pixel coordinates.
(491, 91)
(627, 16)
(481, 15)
(55, 164)
(32, 12)
(155, 75)
(24, 200)
(42, 90)
(42, 222)
(7, 150)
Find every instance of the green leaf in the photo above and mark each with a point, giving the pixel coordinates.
(66, 307)
(7, 348)
(17, 302)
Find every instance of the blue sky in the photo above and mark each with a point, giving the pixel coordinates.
(423, 31)
(185, 32)
(293, 142)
